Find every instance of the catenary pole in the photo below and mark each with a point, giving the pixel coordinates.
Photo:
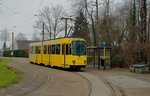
(66, 21)
(12, 44)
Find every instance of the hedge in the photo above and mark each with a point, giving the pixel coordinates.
(17, 53)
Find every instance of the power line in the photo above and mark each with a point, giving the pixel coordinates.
(8, 8)
(16, 12)
(7, 17)
(25, 21)
(25, 14)
(39, 6)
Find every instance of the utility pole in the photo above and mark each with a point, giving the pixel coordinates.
(97, 17)
(108, 25)
(66, 21)
(12, 53)
(43, 39)
(148, 25)
(97, 20)
(43, 32)
(97, 23)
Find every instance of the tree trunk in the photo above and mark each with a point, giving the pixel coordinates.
(143, 34)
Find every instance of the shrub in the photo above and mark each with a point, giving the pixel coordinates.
(118, 61)
(17, 53)
(6, 53)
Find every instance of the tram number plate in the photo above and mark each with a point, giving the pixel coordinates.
(79, 58)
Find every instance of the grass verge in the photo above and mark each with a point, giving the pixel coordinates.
(8, 75)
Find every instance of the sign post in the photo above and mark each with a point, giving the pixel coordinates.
(104, 45)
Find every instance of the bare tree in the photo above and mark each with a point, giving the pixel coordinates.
(88, 7)
(21, 36)
(36, 37)
(4, 37)
(92, 10)
(51, 17)
(126, 26)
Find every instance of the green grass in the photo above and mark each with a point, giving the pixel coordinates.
(9, 75)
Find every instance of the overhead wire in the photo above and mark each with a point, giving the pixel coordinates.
(8, 8)
(7, 17)
(39, 5)
(15, 12)
(29, 19)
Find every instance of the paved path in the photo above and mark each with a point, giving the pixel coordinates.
(98, 87)
(124, 82)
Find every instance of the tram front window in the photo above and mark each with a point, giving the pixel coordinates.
(78, 48)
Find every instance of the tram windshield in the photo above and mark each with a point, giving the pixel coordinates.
(78, 48)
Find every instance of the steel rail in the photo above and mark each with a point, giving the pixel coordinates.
(87, 81)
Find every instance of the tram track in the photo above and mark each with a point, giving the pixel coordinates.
(113, 89)
(25, 85)
(39, 87)
(21, 87)
(51, 78)
(88, 83)
(109, 85)
(17, 88)
(113, 93)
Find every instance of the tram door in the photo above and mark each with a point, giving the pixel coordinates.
(45, 55)
(37, 52)
(49, 56)
(64, 54)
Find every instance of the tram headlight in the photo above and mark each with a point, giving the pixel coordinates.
(73, 61)
(85, 61)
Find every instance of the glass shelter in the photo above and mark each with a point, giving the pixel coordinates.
(99, 57)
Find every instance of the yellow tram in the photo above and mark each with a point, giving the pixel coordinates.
(63, 52)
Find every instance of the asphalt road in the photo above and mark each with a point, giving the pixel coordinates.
(46, 81)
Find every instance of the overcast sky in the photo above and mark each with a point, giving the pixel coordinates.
(18, 15)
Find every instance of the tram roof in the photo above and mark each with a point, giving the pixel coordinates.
(56, 40)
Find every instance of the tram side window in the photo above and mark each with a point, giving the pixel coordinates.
(58, 49)
(70, 49)
(49, 49)
(38, 50)
(63, 47)
(32, 50)
(67, 49)
(45, 49)
(53, 49)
